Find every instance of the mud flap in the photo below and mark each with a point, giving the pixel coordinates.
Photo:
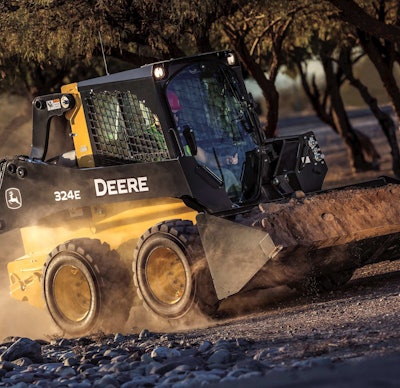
(234, 252)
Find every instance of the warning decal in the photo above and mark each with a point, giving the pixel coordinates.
(53, 104)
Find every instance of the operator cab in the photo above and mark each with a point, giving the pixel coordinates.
(215, 122)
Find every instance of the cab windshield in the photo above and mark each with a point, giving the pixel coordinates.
(206, 98)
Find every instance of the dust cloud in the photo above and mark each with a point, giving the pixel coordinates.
(141, 318)
(18, 319)
(255, 301)
(235, 306)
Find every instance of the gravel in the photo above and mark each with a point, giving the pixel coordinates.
(346, 338)
(135, 360)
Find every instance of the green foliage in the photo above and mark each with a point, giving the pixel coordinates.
(44, 43)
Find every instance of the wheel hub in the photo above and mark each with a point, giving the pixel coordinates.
(166, 275)
(72, 293)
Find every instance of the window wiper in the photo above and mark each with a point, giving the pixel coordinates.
(244, 116)
(218, 165)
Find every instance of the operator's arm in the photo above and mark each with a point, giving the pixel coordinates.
(209, 159)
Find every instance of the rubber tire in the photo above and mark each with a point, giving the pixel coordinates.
(108, 279)
(181, 237)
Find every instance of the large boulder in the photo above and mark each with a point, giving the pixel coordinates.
(23, 347)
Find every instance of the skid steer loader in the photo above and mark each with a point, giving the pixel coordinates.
(157, 182)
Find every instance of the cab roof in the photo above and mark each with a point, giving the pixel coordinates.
(145, 71)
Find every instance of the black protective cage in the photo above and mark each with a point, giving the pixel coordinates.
(123, 129)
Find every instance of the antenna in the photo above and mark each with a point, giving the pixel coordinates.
(104, 55)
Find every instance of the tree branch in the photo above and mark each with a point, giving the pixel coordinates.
(355, 15)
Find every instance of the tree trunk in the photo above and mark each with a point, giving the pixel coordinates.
(314, 98)
(383, 65)
(384, 119)
(267, 86)
(356, 15)
(342, 122)
(336, 117)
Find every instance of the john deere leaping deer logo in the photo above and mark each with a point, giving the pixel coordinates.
(13, 198)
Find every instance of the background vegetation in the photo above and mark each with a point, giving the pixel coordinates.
(46, 43)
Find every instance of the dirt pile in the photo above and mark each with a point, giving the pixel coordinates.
(332, 232)
(335, 217)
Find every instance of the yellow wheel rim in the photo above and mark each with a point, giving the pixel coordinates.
(166, 275)
(72, 293)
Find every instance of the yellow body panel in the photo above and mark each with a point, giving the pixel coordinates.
(25, 276)
(80, 134)
(119, 224)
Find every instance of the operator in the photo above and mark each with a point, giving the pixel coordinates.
(232, 185)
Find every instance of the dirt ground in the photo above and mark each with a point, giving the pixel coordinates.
(355, 328)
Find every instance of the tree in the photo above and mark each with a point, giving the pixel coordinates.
(347, 42)
(259, 32)
(328, 103)
(378, 28)
(66, 41)
(383, 118)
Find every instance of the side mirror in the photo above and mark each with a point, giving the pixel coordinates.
(190, 138)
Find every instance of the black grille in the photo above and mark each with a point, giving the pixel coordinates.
(123, 129)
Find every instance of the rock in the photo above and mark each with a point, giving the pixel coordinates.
(167, 337)
(144, 334)
(146, 358)
(141, 381)
(249, 375)
(106, 381)
(20, 385)
(67, 354)
(111, 353)
(183, 368)
(163, 353)
(23, 347)
(162, 369)
(197, 379)
(84, 341)
(71, 361)
(221, 356)
(118, 338)
(205, 346)
(65, 372)
(2, 373)
(65, 343)
(312, 362)
(251, 364)
(224, 344)
(261, 354)
(23, 361)
(7, 366)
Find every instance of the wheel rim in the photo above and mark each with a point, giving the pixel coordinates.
(166, 275)
(72, 293)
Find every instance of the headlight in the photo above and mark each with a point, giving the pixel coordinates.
(159, 72)
(231, 59)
